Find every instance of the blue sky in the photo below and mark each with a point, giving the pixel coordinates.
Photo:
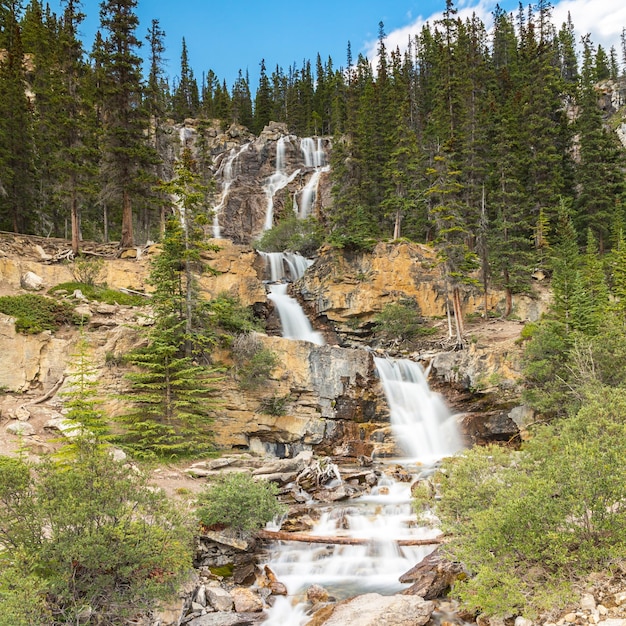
(229, 35)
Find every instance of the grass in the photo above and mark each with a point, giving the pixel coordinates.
(100, 293)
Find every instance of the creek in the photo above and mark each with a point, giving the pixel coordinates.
(424, 431)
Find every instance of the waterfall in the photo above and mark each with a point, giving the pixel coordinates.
(285, 265)
(384, 516)
(227, 171)
(277, 181)
(312, 152)
(422, 424)
(294, 322)
(314, 157)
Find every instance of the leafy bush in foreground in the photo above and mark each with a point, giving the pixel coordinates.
(92, 534)
(237, 501)
(527, 524)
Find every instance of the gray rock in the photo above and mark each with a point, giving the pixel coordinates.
(22, 414)
(522, 621)
(228, 619)
(22, 429)
(31, 282)
(219, 599)
(587, 602)
(84, 311)
(106, 309)
(246, 601)
(613, 622)
(372, 609)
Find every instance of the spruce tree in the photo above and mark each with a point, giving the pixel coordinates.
(126, 152)
(171, 389)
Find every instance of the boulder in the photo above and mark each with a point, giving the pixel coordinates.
(432, 577)
(228, 619)
(31, 282)
(246, 601)
(316, 594)
(219, 599)
(372, 609)
(21, 429)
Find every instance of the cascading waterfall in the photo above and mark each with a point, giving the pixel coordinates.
(422, 424)
(277, 181)
(314, 157)
(427, 431)
(227, 171)
(285, 265)
(294, 322)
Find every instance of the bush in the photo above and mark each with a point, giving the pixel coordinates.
(237, 501)
(528, 524)
(275, 405)
(87, 270)
(93, 534)
(34, 313)
(254, 362)
(400, 322)
(292, 234)
(228, 314)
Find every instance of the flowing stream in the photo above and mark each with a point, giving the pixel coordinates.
(277, 181)
(426, 431)
(227, 172)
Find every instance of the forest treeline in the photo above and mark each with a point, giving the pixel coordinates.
(470, 137)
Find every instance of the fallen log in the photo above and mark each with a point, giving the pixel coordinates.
(278, 535)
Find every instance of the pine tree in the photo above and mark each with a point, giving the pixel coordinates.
(16, 127)
(185, 100)
(172, 391)
(262, 101)
(126, 152)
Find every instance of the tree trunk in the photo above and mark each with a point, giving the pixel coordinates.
(397, 225)
(127, 240)
(75, 226)
(458, 317)
(277, 535)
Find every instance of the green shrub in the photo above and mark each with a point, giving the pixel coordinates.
(529, 524)
(86, 269)
(237, 501)
(293, 234)
(254, 362)
(91, 534)
(401, 322)
(226, 313)
(34, 313)
(101, 293)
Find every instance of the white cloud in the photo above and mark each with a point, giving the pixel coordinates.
(603, 20)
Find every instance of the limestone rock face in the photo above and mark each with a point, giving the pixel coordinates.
(334, 398)
(349, 289)
(30, 359)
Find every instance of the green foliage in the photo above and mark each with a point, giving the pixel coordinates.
(275, 405)
(171, 389)
(293, 235)
(91, 534)
(526, 524)
(254, 362)
(34, 313)
(400, 322)
(100, 293)
(227, 315)
(87, 270)
(238, 501)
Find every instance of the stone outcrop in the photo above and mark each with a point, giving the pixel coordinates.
(372, 609)
(335, 403)
(349, 289)
(243, 164)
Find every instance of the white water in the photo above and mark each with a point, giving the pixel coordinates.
(277, 181)
(345, 571)
(287, 265)
(427, 431)
(228, 172)
(294, 322)
(314, 157)
(422, 424)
